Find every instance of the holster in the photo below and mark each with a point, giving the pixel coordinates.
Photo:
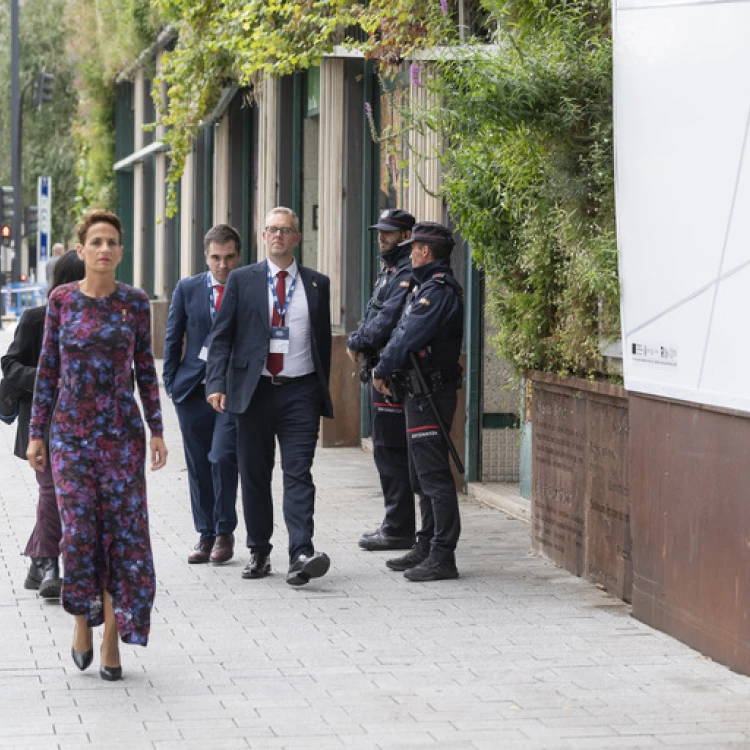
(437, 381)
(397, 387)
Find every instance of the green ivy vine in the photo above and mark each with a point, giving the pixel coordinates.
(219, 41)
(529, 178)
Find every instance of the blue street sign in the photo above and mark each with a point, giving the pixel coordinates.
(44, 203)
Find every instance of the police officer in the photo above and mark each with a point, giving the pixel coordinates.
(388, 427)
(432, 327)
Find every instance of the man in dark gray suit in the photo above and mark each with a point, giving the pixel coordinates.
(269, 364)
(209, 439)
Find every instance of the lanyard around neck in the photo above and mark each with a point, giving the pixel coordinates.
(275, 296)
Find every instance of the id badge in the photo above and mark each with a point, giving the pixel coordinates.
(279, 343)
(203, 354)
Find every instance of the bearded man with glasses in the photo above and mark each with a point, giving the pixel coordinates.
(269, 364)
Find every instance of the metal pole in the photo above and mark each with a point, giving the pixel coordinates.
(15, 138)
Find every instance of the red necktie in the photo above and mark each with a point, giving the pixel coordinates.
(275, 362)
(219, 294)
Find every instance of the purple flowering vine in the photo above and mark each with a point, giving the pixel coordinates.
(444, 7)
(416, 74)
(371, 122)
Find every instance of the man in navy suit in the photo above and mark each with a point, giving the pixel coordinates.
(209, 439)
(269, 364)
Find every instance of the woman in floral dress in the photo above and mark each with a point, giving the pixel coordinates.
(96, 332)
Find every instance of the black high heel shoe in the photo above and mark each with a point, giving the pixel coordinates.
(82, 659)
(111, 674)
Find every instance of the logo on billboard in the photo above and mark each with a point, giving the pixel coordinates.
(653, 354)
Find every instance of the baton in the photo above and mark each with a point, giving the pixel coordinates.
(431, 399)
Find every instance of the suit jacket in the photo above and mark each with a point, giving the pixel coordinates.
(19, 368)
(239, 342)
(189, 313)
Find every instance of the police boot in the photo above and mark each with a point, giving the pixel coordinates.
(432, 570)
(419, 553)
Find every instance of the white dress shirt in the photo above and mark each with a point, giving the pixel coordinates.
(298, 360)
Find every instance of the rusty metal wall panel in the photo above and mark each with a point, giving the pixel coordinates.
(691, 525)
(581, 478)
(558, 457)
(607, 496)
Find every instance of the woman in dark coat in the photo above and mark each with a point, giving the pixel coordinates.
(19, 369)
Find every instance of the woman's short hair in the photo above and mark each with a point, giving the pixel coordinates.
(98, 216)
(68, 268)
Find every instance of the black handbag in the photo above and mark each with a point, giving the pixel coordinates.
(9, 396)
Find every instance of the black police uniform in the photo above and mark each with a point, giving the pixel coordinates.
(387, 416)
(432, 326)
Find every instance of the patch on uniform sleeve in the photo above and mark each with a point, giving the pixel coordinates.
(405, 284)
(424, 301)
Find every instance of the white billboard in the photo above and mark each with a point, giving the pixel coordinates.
(682, 113)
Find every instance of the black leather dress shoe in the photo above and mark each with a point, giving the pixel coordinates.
(379, 540)
(110, 674)
(82, 659)
(35, 574)
(259, 565)
(306, 567)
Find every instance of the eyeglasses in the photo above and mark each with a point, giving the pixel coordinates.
(285, 231)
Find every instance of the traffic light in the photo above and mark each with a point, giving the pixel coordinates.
(30, 220)
(7, 204)
(44, 83)
(5, 233)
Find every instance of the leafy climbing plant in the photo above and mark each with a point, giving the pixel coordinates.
(105, 39)
(240, 40)
(526, 123)
(529, 177)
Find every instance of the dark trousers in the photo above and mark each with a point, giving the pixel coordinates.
(291, 413)
(429, 463)
(210, 443)
(392, 462)
(45, 538)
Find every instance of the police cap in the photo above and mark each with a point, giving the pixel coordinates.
(430, 231)
(394, 220)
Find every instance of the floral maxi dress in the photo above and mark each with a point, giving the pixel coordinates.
(97, 449)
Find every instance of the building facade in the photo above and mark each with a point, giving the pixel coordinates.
(312, 142)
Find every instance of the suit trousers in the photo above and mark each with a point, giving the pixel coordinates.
(392, 462)
(430, 464)
(290, 413)
(209, 440)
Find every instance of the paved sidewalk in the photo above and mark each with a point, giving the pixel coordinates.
(515, 654)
